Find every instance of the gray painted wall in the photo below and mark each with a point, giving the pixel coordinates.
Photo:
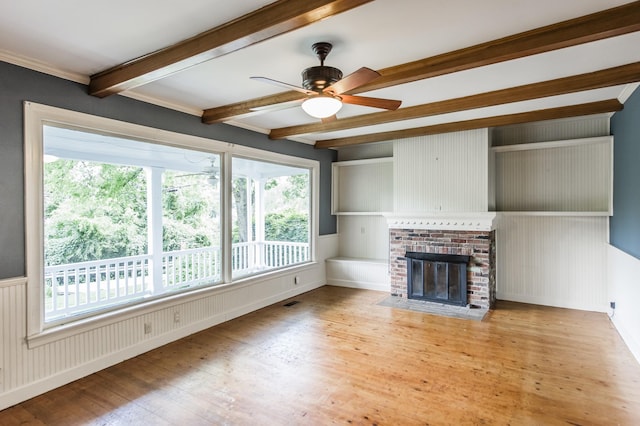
(18, 84)
(625, 223)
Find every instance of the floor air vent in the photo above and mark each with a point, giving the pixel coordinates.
(293, 302)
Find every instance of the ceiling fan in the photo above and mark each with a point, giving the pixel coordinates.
(212, 171)
(325, 88)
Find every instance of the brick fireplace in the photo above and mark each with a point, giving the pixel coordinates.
(472, 235)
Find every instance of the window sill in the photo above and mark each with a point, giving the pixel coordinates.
(75, 327)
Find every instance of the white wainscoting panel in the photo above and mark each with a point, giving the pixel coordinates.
(364, 237)
(552, 130)
(624, 289)
(446, 172)
(553, 260)
(359, 273)
(26, 372)
(3, 326)
(328, 246)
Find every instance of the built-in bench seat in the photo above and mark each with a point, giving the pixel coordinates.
(370, 274)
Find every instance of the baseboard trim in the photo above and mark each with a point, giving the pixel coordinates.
(541, 301)
(627, 336)
(364, 285)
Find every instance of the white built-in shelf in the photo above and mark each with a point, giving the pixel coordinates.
(343, 259)
(553, 144)
(560, 213)
(362, 213)
(558, 178)
(362, 187)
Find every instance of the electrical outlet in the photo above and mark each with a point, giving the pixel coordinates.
(176, 316)
(147, 327)
(296, 280)
(612, 305)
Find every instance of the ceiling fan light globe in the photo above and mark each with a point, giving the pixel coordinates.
(322, 106)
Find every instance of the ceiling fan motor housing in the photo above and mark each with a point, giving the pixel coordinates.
(317, 78)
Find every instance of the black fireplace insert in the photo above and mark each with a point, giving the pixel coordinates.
(436, 277)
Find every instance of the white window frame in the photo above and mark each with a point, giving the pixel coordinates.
(36, 116)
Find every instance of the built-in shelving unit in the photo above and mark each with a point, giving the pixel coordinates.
(560, 178)
(362, 193)
(362, 187)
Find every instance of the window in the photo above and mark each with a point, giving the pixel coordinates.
(125, 220)
(120, 214)
(270, 216)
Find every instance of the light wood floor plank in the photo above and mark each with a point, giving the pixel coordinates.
(339, 358)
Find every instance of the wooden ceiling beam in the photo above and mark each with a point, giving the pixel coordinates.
(274, 19)
(246, 109)
(623, 74)
(599, 107)
(597, 26)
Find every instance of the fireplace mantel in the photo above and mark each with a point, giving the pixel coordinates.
(449, 221)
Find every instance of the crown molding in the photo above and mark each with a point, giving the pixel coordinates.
(48, 69)
(627, 92)
(162, 103)
(23, 61)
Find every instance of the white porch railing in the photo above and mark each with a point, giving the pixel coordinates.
(184, 268)
(278, 254)
(86, 286)
(249, 258)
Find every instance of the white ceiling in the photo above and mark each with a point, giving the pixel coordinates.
(76, 39)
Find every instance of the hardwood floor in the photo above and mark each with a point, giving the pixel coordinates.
(338, 358)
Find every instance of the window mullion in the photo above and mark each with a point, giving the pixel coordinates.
(227, 216)
(259, 218)
(154, 227)
(251, 242)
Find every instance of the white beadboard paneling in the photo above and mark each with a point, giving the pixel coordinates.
(12, 298)
(363, 186)
(555, 261)
(56, 360)
(491, 183)
(551, 130)
(447, 172)
(564, 178)
(328, 246)
(365, 237)
(624, 290)
(369, 150)
(358, 273)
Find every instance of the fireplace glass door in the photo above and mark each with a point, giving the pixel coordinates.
(442, 280)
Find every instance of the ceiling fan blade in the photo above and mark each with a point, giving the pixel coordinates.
(389, 104)
(192, 174)
(285, 85)
(353, 80)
